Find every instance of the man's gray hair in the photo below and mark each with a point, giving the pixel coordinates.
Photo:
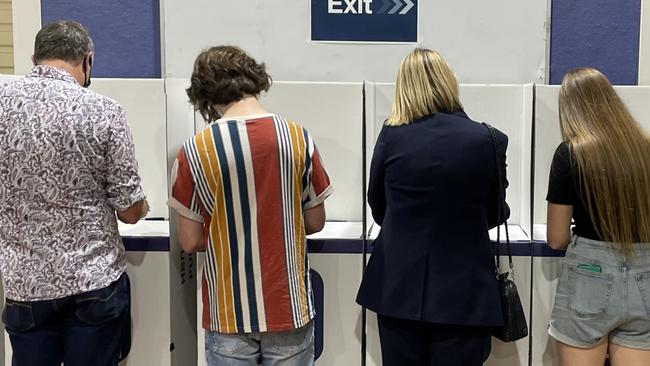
(64, 40)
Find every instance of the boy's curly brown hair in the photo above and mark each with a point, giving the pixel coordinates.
(223, 75)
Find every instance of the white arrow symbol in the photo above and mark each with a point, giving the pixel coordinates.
(395, 8)
(407, 8)
(385, 7)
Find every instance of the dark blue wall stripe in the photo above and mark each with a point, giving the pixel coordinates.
(126, 34)
(603, 34)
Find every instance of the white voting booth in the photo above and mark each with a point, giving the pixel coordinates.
(509, 109)
(331, 112)
(547, 268)
(165, 306)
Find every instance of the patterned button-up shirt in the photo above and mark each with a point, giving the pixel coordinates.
(67, 163)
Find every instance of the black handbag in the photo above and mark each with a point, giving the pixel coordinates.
(514, 326)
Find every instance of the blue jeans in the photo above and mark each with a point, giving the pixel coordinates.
(290, 348)
(92, 328)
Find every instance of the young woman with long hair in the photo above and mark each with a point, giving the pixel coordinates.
(600, 178)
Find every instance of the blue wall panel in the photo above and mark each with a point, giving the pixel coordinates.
(126, 34)
(597, 33)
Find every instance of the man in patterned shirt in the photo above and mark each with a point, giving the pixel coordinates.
(247, 190)
(67, 166)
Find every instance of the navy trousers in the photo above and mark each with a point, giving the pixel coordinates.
(415, 343)
(92, 328)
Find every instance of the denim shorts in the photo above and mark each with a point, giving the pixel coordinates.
(603, 296)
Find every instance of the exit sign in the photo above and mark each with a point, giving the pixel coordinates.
(364, 20)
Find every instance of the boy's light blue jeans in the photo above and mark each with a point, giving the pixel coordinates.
(290, 348)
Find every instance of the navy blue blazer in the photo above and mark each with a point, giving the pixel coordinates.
(433, 189)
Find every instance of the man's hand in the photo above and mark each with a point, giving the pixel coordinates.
(134, 213)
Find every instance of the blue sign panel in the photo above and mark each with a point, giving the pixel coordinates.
(364, 20)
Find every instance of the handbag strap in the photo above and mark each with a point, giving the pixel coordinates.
(500, 200)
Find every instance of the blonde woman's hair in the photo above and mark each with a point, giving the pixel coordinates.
(612, 154)
(425, 85)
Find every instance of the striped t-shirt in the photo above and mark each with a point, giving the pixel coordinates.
(248, 180)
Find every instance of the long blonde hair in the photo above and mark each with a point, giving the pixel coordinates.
(612, 154)
(425, 85)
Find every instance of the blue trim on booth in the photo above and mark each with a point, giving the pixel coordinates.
(146, 243)
(519, 249)
(126, 34)
(335, 246)
(541, 249)
(346, 246)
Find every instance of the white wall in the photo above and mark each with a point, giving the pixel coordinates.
(484, 41)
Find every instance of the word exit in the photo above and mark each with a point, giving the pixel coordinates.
(351, 6)
(365, 7)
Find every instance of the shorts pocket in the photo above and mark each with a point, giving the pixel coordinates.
(643, 281)
(101, 306)
(589, 292)
(18, 316)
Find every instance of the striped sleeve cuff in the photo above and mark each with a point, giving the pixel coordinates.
(184, 211)
(319, 199)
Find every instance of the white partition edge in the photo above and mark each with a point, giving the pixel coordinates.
(539, 204)
(525, 220)
(182, 271)
(370, 138)
(163, 38)
(644, 45)
(26, 23)
(545, 70)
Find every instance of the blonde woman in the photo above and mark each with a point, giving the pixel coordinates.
(433, 189)
(600, 177)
